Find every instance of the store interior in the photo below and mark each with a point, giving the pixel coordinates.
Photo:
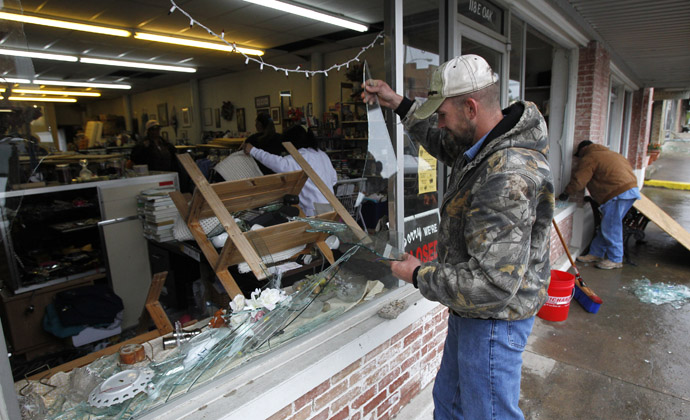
(78, 212)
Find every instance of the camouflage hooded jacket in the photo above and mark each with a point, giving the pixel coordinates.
(493, 244)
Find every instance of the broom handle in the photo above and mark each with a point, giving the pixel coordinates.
(565, 247)
(589, 292)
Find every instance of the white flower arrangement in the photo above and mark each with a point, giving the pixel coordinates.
(261, 301)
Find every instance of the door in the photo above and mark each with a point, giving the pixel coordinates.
(495, 53)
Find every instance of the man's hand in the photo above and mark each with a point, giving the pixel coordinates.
(379, 88)
(247, 147)
(563, 197)
(405, 268)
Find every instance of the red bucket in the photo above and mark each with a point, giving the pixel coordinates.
(560, 294)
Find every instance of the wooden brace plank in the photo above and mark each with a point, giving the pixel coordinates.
(181, 203)
(160, 319)
(234, 232)
(228, 283)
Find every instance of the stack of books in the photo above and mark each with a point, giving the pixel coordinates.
(157, 213)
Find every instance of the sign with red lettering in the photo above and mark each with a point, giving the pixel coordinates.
(421, 231)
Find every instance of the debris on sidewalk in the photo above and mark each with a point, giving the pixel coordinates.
(659, 293)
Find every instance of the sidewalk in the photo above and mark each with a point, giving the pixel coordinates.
(628, 361)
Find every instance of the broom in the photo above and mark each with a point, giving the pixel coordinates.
(583, 294)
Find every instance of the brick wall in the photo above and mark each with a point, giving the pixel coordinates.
(566, 228)
(381, 383)
(592, 94)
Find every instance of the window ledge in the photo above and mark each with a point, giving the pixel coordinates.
(563, 211)
(271, 381)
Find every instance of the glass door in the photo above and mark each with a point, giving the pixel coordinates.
(494, 51)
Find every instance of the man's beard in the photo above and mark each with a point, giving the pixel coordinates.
(465, 138)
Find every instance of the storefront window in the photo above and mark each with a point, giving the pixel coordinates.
(538, 61)
(421, 183)
(272, 317)
(516, 56)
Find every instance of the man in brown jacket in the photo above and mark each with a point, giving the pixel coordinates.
(610, 180)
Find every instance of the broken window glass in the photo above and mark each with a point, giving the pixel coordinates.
(270, 318)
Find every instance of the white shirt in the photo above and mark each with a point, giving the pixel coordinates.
(317, 159)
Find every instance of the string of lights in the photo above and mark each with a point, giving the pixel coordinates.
(262, 64)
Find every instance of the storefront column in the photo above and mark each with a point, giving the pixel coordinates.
(592, 94)
(640, 126)
(318, 88)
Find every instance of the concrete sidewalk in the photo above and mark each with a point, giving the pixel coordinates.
(628, 361)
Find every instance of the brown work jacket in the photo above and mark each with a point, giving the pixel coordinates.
(605, 173)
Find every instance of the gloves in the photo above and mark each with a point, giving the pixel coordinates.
(563, 197)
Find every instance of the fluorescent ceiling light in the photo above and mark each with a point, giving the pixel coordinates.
(13, 80)
(135, 64)
(81, 84)
(54, 92)
(63, 24)
(311, 14)
(194, 43)
(45, 56)
(41, 99)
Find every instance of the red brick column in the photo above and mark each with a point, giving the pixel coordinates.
(592, 94)
(640, 127)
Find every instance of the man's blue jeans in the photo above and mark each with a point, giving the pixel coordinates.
(480, 371)
(608, 241)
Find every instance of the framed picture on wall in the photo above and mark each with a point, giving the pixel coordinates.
(241, 123)
(186, 117)
(275, 115)
(163, 114)
(263, 111)
(208, 116)
(217, 117)
(310, 110)
(262, 101)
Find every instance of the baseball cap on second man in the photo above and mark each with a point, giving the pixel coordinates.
(459, 76)
(151, 124)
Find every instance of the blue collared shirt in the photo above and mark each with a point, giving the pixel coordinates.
(472, 152)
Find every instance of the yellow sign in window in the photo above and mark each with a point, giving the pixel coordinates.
(426, 171)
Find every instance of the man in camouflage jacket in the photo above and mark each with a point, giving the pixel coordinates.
(493, 266)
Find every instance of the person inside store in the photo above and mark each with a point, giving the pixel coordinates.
(609, 178)
(159, 154)
(307, 145)
(493, 268)
(266, 139)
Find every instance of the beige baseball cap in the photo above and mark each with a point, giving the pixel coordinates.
(459, 76)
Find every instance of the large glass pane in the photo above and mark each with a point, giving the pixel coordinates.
(538, 62)
(421, 43)
(517, 42)
(492, 57)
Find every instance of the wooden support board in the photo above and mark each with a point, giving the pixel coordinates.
(208, 197)
(663, 220)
